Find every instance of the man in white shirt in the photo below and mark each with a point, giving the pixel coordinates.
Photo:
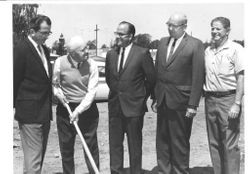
(75, 80)
(224, 89)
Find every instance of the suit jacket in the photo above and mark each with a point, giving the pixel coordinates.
(180, 79)
(32, 86)
(130, 89)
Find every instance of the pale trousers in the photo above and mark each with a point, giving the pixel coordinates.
(34, 138)
(223, 134)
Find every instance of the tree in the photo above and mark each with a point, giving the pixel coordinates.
(104, 46)
(91, 44)
(154, 44)
(143, 40)
(241, 42)
(22, 14)
(55, 46)
(206, 44)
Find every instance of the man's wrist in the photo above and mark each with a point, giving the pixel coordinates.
(192, 107)
(237, 103)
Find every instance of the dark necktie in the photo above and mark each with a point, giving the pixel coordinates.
(171, 50)
(78, 65)
(121, 61)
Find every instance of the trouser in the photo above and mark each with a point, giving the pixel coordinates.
(88, 122)
(223, 134)
(132, 126)
(34, 139)
(172, 140)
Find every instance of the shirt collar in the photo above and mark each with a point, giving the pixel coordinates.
(226, 45)
(32, 41)
(127, 47)
(73, 61)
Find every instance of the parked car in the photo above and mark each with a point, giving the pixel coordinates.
(102, 89)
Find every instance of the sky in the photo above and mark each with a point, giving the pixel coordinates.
(81, 18)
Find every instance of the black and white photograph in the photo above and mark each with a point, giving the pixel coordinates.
(122, 87)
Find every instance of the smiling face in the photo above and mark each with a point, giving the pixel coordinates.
(42, 34)
(219, 33)
(123, 37)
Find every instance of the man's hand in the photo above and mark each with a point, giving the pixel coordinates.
(234, 111)
(154, 106)
(190, 113)
(74, 116)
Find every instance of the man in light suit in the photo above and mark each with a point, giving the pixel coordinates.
(32, 93)
(130, 76)
(180, 75)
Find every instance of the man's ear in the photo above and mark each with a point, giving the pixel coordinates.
(32, 32)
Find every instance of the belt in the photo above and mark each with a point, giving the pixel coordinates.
(219, 93)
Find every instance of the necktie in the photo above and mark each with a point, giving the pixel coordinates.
(43, 58)
(171, 50)
(78, 65)
(121, 61)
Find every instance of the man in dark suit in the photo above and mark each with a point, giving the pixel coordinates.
(180, 75)
(130, 76)
(32, 93)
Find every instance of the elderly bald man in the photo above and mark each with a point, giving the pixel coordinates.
(180, 76)
(75, 81)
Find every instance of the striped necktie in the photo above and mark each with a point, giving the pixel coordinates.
(122, 60)
(171, 50)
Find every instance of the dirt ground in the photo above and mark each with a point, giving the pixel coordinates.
(200, 162)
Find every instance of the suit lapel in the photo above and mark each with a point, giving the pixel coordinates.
(164, 57)
(37, 57)
(179, 49)
(115, 57)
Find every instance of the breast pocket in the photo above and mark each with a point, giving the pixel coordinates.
(225, 66)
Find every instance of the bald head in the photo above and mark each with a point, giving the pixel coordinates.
(177, 25)
(76, 43)
(178, 19)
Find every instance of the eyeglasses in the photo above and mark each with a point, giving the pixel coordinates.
(174, 26)
(120, 34)
(45, 32)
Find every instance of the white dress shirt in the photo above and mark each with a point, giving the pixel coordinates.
(41, 54)
(127, 50)
(177, 43)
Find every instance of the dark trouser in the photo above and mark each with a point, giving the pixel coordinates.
(34, 139)
(132, 126)
(172, 141)
(88, 122)
(223, 134)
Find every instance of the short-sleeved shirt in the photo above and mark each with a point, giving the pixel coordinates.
(222, 65)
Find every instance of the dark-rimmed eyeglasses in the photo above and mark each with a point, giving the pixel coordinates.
(121, 34)
(45, 32)
(173, 25)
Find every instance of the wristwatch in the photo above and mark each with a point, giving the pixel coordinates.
(237, 103)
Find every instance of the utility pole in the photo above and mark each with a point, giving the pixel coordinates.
(96, 30)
